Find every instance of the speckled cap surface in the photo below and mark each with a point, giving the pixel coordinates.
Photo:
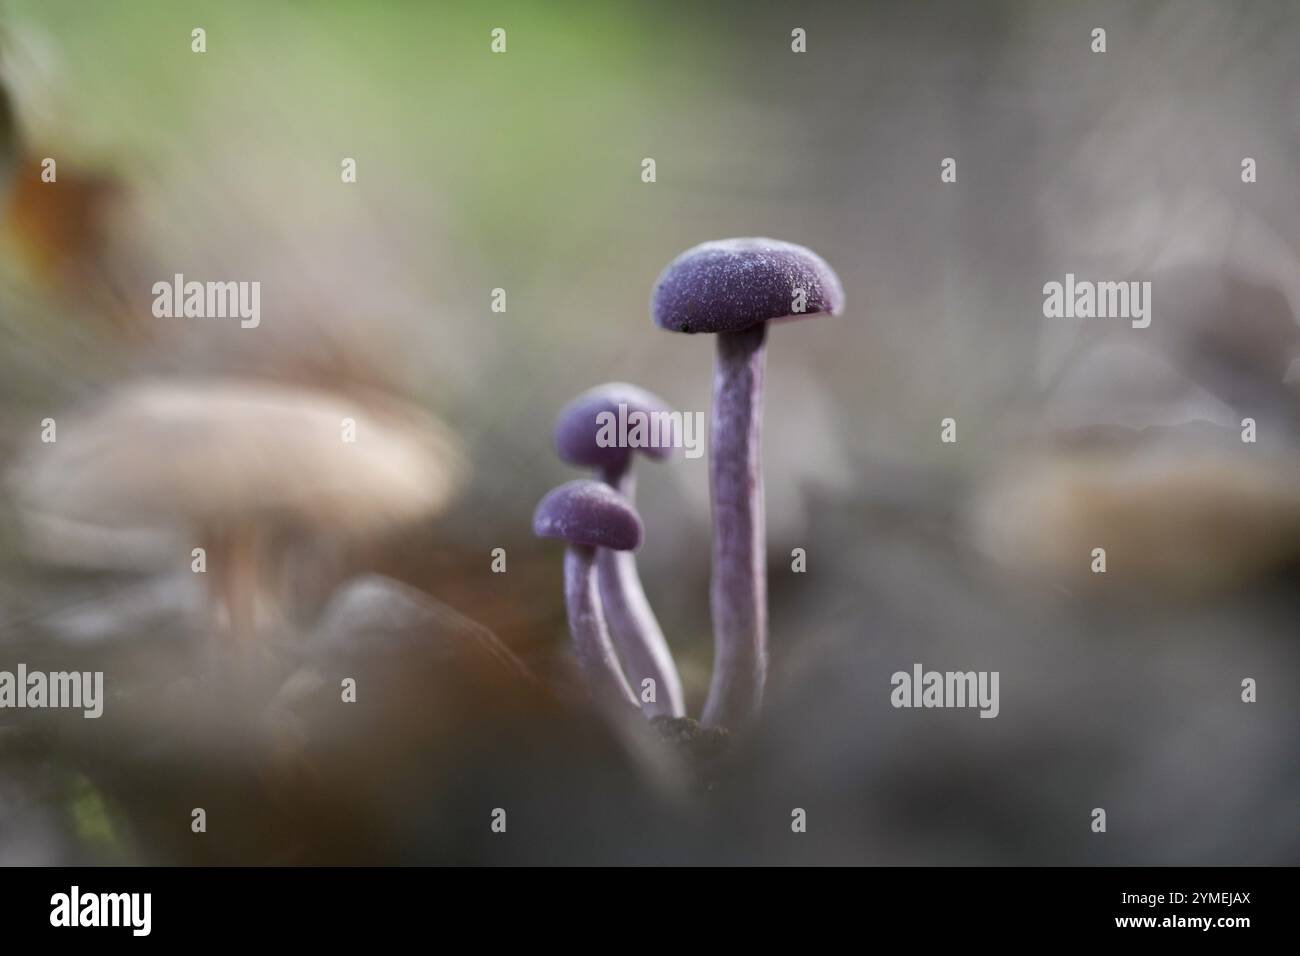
(577, 428)
(732, 284)
(590, 513)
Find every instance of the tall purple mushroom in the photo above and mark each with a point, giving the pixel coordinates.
(588, 515)
(733, 288)
(636, 631)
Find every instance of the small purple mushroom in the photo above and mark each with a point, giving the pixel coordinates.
(733, 288)
(636, 631)
(590, 515)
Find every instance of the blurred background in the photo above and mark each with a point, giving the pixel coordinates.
(522, 171)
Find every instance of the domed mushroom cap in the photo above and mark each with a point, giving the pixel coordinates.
(1178, 506)
(588, 513)
(733, 284)
(159, 453)
(577, 426)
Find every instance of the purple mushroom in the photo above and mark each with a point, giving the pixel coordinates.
(733, 288)
(636, 632)
(590, 515)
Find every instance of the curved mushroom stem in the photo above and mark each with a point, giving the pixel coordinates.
(591, 641)
(739, 589)
(636, 631)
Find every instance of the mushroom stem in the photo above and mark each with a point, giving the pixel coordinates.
(636, 631)
(591, 640)
(739, 588)
(232, 557)
(244, 585)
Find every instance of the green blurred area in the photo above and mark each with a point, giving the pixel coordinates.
(412, 89)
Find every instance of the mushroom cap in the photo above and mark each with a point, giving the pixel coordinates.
(733, 284)
(588, 513)
(161, 454)
(1181, 507)
(576, 427)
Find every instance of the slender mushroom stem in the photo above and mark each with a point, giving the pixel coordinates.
(739, 588)
(591, 640)
(244, 585)
(217, 572)
(635, 630)
(233, 567)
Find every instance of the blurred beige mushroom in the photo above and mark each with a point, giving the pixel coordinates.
(235, 465)
(1172, 514)
(1137, 447)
